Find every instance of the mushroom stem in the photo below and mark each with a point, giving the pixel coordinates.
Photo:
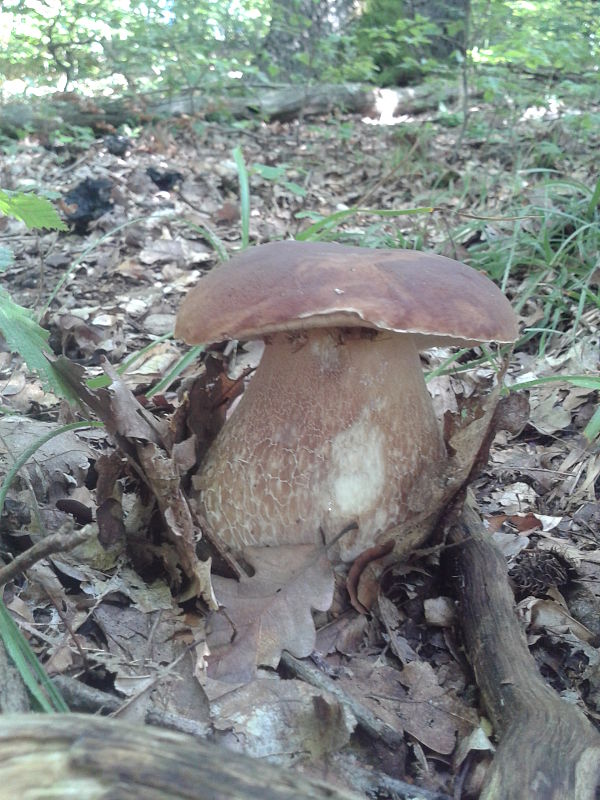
(335, 427)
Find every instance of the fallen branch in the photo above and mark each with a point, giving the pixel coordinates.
(547, 749)
(68, 755)
(373, 726)
(87, 699)
(285, 102)
(60, 542)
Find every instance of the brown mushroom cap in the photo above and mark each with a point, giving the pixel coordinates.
(287, 286)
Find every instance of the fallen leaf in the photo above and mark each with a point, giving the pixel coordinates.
(549, 415)
(142, 438)
(147, 652)
(522, 522)
(392, 619)
(352, 635)
(515, 497)
(159, 324)
(510, 544)
(181, 252)
(268, 613)
(227, 214)
(56, 465)
(131, 268)
(549, 615)
(165, 481)
(410, 700)
(478, 740)
(364, 576)
(344, 634)
(568, 550)
(282, 720)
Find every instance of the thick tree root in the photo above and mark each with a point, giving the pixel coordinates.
(547, 750)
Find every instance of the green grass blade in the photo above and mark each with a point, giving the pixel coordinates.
(29, 451)
(183, 362)
(594, 200)
(31, 671)
(211, 237)
(584, 381)
(238, 157)
(445, 365)
(592, 429)
(332, 220)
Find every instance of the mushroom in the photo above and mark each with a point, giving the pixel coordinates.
(336, 426)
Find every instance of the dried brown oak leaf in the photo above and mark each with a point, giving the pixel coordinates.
(163, 478)
(143, 439)
(269, 612)
(410, 700)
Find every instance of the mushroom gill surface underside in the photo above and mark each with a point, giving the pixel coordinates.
(336, 427)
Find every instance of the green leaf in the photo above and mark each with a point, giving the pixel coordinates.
(267, 172)
(294, 188)
(34, 211)
(24, 336)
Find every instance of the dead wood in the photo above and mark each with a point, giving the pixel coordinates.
(64, 755)
(547, 750)
(81, 697)
(60, 542)
(88, 699)
(286, 102)
(375, 727)
(289, 102)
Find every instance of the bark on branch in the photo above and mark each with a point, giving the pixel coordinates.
(74, 755)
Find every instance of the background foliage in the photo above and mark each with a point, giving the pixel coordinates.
(127, 45)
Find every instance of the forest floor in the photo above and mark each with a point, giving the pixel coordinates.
(509, 193)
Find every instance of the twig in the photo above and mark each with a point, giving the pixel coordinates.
(81, 697)
(365, 718)
(59, 542)
(371, 724)
(372, 782)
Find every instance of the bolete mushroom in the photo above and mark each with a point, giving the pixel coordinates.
(336, 425)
